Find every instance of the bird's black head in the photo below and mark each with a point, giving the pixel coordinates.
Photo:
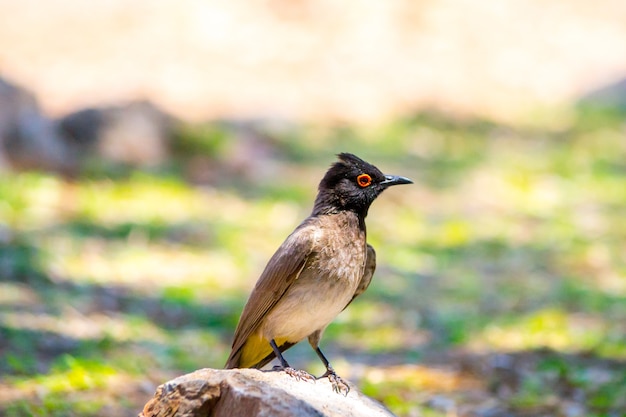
(352, 184)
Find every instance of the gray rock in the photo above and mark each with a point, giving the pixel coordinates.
(612, 95)
(28, 140)
(135, 134)
(254, 393)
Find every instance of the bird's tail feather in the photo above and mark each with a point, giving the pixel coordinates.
(255, 353)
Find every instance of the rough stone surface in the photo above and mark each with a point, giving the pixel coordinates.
(253, 393)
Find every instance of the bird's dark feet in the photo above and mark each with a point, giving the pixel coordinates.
(339, 385)
(298, 374)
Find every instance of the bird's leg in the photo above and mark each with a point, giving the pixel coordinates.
(298, 374)
(339, 385)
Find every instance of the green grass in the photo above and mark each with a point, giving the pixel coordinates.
(511, 242)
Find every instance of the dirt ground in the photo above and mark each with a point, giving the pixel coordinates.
(349, 60)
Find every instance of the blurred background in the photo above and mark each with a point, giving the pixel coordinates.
(154, 154)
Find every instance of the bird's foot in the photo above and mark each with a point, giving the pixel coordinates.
(339, 385)
(298, 374)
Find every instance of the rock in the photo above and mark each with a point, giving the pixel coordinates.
(612, 95)
(135, 134)
(80, 129)
(254, 393)
(28, 140)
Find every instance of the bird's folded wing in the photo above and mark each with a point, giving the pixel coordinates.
(281, 271)
(368, 273)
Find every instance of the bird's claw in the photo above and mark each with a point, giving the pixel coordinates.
(339, 385)
(298, 374)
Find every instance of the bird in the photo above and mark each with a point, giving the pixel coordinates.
(320, 268)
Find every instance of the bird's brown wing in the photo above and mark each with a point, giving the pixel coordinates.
(368, 273)
(281, 271)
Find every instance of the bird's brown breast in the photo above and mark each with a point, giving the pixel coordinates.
(327, 282)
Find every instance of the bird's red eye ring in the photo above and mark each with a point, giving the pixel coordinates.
(364, 180)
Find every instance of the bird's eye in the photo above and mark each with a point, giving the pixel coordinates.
(364, 180)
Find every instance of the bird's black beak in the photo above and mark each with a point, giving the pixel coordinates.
(395, 180)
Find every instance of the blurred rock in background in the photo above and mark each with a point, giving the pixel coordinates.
(610, 96)
(135, 134)
(28, 139)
